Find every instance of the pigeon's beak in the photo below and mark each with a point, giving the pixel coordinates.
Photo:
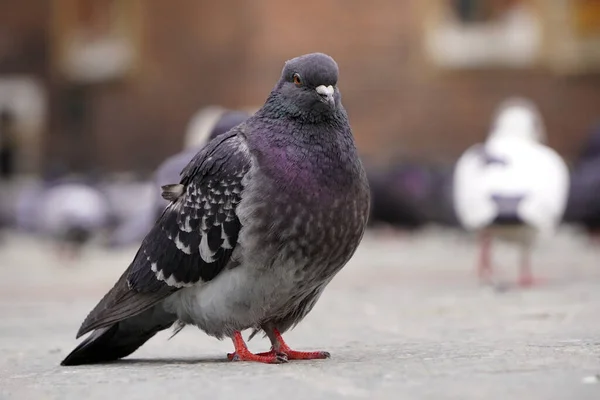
(326, 93)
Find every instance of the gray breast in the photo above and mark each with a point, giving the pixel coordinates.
(303, 236)
(316, 234)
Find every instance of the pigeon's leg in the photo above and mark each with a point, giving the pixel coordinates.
(525, 273)
(594, 238)
(484, 269)
(243, 354)
(280, 347)
(66, 252)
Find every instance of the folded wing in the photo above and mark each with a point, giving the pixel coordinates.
(192, 241)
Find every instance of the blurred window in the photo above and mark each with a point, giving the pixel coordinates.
(478, 11)
(573, 36)
(97, 39)
(586, 17)
(481, 33)
(562, 35)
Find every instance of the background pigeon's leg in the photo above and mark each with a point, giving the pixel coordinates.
(67, 252)
(594, 237)
(484, 269)
(280, 347)
(525, 274)
(243, 354)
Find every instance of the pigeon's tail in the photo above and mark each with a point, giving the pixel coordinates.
(121, 339)
(508, 209)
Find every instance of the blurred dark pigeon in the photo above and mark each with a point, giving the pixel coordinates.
(262, 220)
(392, 200)
(591, 149)
(583, 205)
(409, 195)
(134, 229)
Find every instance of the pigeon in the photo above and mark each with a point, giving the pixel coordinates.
(583, 205)
(202, 131)
(409, 196)
(513, 187)
(69, 210)
(591, 149)
(260, 222)
(393, 202)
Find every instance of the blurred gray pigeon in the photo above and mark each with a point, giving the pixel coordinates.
(134, 229)
(261, 221)
(69, 210)
(169, 171)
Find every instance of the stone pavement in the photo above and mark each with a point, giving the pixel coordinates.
(404, 320)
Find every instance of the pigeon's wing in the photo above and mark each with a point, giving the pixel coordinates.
(191, 242)
(168, 173)
(547, 188)
(170, 170)
(472, 202)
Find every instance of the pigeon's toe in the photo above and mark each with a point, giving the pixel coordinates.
(307, 355)
(267, 358)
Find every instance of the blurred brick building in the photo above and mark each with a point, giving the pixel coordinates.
(121, 78)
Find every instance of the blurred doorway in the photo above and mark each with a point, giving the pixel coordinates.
(7, 145)
(22, 122)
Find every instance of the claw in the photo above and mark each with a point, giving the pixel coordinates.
(243, 354)
(298, 355)
(307, 355)
(279, 356)
(282, 347)
(266, 359)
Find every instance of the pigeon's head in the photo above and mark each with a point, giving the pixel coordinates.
(308, 85)
(519, 118)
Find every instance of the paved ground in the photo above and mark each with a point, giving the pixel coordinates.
(405, 319)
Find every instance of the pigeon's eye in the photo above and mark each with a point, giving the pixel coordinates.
(297, 80)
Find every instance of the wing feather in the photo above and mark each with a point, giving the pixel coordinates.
(191, 242)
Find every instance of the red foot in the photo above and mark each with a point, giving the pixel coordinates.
(282, 347)
(529, 281)
(283, 353)
(484, 268)
(243, 354)
(261, 358)
(286, 354)
(299, 355)
(525, 274)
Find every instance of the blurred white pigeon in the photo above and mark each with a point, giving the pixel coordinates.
(512, 187)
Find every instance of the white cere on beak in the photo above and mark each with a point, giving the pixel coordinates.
(325, 90)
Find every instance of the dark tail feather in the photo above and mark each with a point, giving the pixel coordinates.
(121, 339)
(508, 209)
